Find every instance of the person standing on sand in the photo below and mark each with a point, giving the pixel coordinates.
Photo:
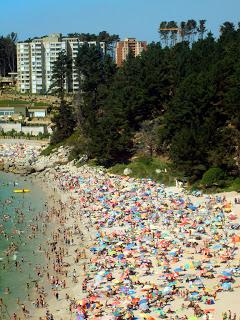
(14, 316)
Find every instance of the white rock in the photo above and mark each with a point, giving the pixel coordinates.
(127, 171)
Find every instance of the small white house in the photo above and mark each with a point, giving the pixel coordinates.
(37, 112)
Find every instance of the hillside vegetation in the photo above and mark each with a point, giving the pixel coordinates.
(178, 100)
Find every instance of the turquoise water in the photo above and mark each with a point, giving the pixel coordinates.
(18, 213)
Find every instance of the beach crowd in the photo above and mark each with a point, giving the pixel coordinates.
(153, 253)
(123, 248)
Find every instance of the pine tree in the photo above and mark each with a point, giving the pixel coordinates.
(61, 75)
(64, 123)
(63, 120)
(95, 71)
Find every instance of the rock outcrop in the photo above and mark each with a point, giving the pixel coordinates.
(59, 157)
(127, 171)
(34, 162)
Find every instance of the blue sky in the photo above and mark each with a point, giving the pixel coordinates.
(128, 18)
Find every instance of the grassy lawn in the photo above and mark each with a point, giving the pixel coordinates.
(146, 168)
(13, 102)
(229, 184)
(233, 185)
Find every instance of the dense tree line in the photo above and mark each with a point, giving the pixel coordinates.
(8, 54)
(190, 30)
(180, 101)
(109, 39)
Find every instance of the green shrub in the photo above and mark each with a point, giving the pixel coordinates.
(213, 176)
(78, 145)
(145, 167)
(50, 149)
(235, 185)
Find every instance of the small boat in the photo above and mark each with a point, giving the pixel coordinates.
(21, 190)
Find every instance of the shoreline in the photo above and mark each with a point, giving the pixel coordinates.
(98, 219)
(82, 239)
(57, 201)
(21, 228)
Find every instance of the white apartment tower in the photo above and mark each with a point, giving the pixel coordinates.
(36, 67)
(23, 66)
(35, 62)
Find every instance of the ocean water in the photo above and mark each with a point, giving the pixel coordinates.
(18, 213)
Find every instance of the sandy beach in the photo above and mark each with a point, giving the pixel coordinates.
(121, 248)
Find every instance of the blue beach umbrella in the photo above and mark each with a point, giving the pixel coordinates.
(226, 286)
(131, 292)
(179, 269)
(191, 207)
(226, 274)
(217, 247)
(130, 245)
(195, 294)
(143, 306)
(143, 301)
(167, 290)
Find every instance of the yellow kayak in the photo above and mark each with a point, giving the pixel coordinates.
(21, 190)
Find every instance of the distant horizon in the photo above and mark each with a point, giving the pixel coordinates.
(139, 19)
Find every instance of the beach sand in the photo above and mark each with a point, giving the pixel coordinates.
(120, 248)
(75, 217)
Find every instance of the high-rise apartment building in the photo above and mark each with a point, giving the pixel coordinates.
(123, 49)
(35, 61)
(23, 66)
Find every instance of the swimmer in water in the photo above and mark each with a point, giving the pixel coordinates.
(6, 290)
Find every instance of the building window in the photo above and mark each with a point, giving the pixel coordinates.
(6, 113)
